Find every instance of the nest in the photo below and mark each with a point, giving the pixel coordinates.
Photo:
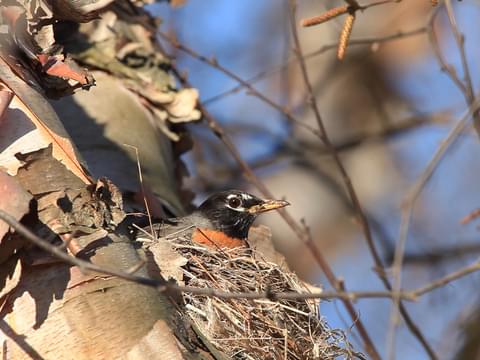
(256, 329)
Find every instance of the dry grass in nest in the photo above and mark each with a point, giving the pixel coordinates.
(256, 329)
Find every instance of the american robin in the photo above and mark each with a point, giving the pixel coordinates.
(221, 221)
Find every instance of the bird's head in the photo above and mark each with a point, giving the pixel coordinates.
(234, 211)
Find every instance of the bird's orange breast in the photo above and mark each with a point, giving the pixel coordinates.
(215, 239)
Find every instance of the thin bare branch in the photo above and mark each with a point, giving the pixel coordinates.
(302, 233)
(251, 90)
(142, 186)
(369, 346)
(470, 217)
(460, 40)
(407, 210)
(465, 86)
(447, 279)
(275, 69)
(440, 254)
(171, 287)
(350, 189)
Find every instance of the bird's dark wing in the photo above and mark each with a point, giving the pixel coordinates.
(171, 227)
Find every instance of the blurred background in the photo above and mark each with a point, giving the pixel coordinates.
(387, 107)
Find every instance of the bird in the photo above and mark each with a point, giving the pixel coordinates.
(221, 221)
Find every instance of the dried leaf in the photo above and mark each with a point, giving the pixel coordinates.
(131, 57)
(30, 29)
(103, 28)
(168, 260)
(161, 121)
(64, 203)
(106, 118)
(107, 192)
(42, 116)
(56, 66)
(45, 39)
(260, 239)
(45, 174)
(151, 93)
(78, 11)
(182, 108)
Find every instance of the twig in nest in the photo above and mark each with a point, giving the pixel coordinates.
(266, 329)
(166, 286)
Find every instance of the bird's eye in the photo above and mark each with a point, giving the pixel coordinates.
(234, 202)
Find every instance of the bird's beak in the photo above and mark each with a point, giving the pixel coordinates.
(267, 205)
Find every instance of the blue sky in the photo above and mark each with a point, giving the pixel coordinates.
(227, 29)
